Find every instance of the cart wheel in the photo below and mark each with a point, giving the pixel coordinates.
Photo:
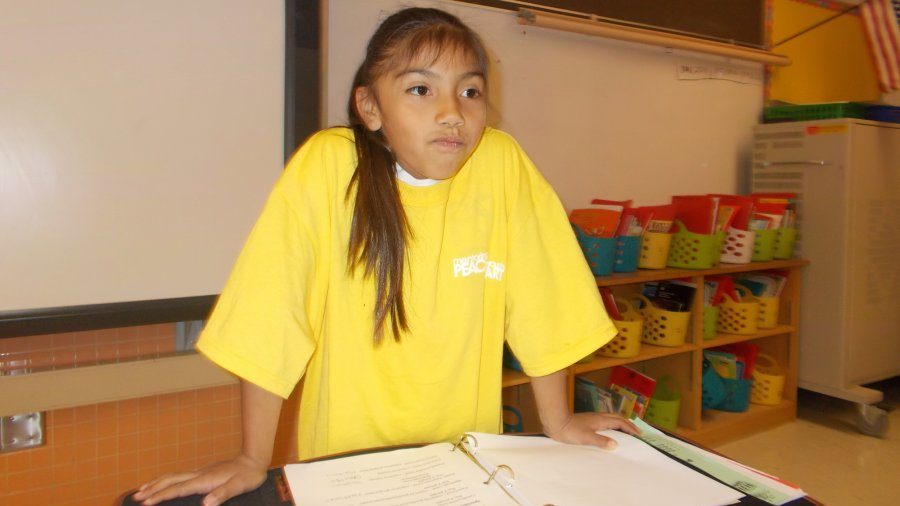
(872, 420)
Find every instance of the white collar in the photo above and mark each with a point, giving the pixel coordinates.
(411, 180)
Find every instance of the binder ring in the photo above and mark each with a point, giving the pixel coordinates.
(465, 439)
(496, 470)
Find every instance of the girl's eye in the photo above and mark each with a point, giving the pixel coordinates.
(419, 90)
(471, 93)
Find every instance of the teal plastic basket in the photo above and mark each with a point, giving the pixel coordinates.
(600, 252)
(724, 394)
(628, 249)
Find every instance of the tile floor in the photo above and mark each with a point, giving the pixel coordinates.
(826, 455)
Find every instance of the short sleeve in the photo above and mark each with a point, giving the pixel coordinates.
(264, 325)
(554, 313)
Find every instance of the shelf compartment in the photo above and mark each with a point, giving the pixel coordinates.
(722, 339)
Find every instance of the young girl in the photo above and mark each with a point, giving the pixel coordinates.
(391, 262)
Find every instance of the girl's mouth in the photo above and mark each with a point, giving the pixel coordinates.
(450, 143)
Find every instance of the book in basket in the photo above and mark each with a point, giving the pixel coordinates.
(491, 469)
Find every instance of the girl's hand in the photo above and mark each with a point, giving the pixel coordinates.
(582, 428)
(220, 482)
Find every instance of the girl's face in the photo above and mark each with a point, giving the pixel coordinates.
(431, 114)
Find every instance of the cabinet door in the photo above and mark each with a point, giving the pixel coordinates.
(873, 263)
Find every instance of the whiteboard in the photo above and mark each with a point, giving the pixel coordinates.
(138, 141)
(600, 118)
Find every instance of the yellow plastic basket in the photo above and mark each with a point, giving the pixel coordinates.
(768, 312)
(654, 250)
(768, 381)
(661, 327)
(627, 342)
(739, 317)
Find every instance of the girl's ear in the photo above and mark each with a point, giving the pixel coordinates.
(367, 108)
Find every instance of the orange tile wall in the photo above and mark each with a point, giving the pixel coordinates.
(92, 454)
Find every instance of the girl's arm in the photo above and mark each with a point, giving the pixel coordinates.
(559, 423)
(259, 419)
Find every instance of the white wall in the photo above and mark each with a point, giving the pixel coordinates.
(138, 140)
(601, 118)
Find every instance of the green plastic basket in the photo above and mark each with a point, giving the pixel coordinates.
(764, 245)
(694, 251)
(665, 404)
(784, 243)
(710, 318)
(779, 113)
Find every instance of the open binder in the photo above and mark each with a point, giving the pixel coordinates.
(492, 469)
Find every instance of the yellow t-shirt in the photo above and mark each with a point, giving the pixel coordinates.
(492, 257)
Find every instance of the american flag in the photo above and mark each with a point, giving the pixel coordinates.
(880, 18)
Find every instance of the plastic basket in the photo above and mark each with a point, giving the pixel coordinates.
(737, 395)
(509, 360)
(600, 252)
(768, 381)
(654, 250)
(627, 342)
(725, 394)
(661, 327)
(710, 319)
(784, 243)
(768, 312)
(713, 388)
(739, 317)
(694, 251)
(626, 257)
(516, 424)
(779, 113)
(764, 245)
(664, 405)
(738, 246)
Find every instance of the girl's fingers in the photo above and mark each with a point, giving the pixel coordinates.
(195, 485)
(185, 488)
(151, 487)
(618, 422)
(607, 443)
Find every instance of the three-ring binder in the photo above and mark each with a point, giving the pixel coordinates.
(501, 474)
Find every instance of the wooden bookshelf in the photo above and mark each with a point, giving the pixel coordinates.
(684, 362)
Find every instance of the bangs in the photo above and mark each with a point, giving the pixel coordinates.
(425, 47)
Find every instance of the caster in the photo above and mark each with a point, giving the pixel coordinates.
(872, 420)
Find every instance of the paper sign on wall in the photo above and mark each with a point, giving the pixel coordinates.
(695, 71)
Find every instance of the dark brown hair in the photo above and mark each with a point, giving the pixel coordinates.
(379, 230)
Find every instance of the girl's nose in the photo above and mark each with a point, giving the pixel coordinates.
(450, 113)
